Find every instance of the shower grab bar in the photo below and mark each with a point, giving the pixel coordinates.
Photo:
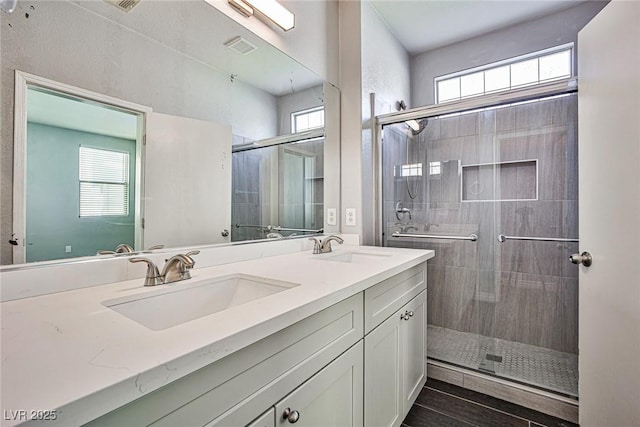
(472, 237)
(277, 228)
(502, 238)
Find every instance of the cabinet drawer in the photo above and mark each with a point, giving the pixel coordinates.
(385, 298)
(303, 348)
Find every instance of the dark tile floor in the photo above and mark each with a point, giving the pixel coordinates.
(445, 405)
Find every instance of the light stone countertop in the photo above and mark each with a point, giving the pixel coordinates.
(68, 352)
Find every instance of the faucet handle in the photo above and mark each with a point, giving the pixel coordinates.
(316, 245)
(192, 262)
(153, 276)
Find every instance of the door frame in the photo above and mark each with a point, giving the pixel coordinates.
(23, 81)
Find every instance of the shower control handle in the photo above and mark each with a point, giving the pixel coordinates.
(584, 258)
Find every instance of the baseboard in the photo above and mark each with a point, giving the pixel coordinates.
(539, 400)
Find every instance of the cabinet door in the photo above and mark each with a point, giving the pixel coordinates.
(414, 349)
(382, 374)
(332, 397)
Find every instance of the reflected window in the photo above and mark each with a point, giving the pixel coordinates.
(413, 169)
(104, 182)
(532, 69)
(312, 118)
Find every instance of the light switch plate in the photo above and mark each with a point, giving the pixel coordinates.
(350, 214)
(332, 215)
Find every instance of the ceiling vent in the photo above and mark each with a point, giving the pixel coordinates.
(125, 5)
(240, 45)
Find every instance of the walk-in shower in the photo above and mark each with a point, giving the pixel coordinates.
(503, 306)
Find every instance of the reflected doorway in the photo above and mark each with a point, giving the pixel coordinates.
(77, 184)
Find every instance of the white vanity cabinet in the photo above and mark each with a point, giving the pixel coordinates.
(360, 362)
(235, 390)
(331, 397)
(395, 349)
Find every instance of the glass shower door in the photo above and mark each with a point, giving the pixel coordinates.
(503, 307)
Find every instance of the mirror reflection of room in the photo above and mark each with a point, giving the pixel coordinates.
(177, 190)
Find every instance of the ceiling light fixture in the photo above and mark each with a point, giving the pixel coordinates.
(270, 9)
(241, 7)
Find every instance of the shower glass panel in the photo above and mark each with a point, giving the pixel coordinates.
(508, 309)
(277, 189)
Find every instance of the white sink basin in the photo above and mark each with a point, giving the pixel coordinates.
(181, 302)
(356, 257)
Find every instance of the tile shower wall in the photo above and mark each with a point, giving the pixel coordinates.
(278, 185)
(520, 291)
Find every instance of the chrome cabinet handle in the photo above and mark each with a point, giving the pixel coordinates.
(406, 315)
(584, 258)
(291, 416)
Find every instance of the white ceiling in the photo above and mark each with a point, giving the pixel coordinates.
(423, 25)
(199, 31)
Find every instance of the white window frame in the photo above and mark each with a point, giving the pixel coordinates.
(124, 183)
(296, 114)
(508, 62)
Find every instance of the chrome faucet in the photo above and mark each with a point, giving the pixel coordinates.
(175, 269)
(324, 246)
(122, 248)
(153, 277)
(178, 267)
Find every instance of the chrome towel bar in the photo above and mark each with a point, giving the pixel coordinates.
(472, 237)
(502, 238)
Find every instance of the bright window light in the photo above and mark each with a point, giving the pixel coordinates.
(414, 169)
(535, 68)
(307, 119)
(434, 168)
(104, 182)
(275, 12)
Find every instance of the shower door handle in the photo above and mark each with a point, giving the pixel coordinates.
(584, 258)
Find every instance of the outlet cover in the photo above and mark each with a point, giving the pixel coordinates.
(332, 215)
(67, 249)
(350, 214)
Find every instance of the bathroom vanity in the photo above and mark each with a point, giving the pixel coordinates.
(333, 339)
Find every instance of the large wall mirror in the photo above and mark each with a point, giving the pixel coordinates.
(166, 126)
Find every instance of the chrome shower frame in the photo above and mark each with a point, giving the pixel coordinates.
(558, 87)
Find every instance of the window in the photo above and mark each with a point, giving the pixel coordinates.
(414, 169)
(104, 182)
(534, 68)
(312, 118)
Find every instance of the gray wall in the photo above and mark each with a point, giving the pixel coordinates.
(549, 31)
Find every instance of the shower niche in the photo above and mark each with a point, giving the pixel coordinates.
(515, 180)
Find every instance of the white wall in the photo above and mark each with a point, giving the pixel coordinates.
(539, 34)
(385, 73)
(314, 40)
(350, 113)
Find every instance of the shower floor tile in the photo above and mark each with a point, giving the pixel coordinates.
(538, 366)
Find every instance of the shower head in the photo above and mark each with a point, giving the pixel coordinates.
(417, 126)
